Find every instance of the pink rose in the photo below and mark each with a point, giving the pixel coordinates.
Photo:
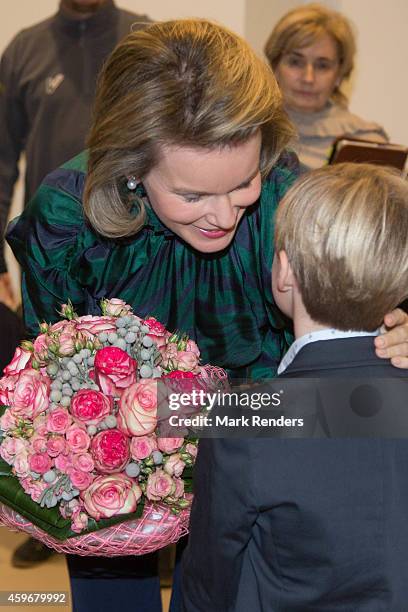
(58, 420)
(33, 488)
(10, 447)
(63, 462)
(142, 447)
(111, 495)
(179, 375)
(80, 480)
(169, 355)
(174, 465)
(83, 462)
(40, 424)
(137, 414)
(180, 381)
(192, 347)
(67, 340)
(114, 370)
(40, 463)
(178, 488)
(187, 361)
(31, 394)
(77, 439)
(115, 307)
(91, 326)
(55, 445)
(110, 451)
(41, 344)
(7, 386)
(191, 449)
(8, 421)
(159, 485)
(157, 332)
(60, 326)
(169, 445)
(38, 443)
(79, 519)
(21, 466)
(90, 407)
(19, 362)
(66, 337)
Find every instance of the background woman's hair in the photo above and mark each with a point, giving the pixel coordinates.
(344, 228)
(304, 25)
(190, 83)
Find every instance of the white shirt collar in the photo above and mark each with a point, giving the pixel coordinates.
(322, 334)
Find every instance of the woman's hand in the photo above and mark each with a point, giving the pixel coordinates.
(393, 344)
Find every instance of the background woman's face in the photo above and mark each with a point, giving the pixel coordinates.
(201, 194)
(308, 76)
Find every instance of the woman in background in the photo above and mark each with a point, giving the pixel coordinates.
(311, 50)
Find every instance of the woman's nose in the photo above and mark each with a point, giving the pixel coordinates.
(308, 73)
(222, 213)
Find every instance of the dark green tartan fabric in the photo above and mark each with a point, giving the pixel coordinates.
(223, 301)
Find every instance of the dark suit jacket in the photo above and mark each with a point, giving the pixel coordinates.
(302, 525)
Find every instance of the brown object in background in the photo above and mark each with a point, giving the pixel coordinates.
(363, 151)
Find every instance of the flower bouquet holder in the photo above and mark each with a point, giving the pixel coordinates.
(84, 464)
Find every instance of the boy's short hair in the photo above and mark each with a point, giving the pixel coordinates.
(345, 229)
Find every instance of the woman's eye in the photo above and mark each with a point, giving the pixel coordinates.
(296, 62)
(323, 66)
(192, 198)
(244, 185)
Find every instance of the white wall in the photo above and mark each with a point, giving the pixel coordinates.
(380, 84)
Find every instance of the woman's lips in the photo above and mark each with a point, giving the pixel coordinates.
(308, 94)
(212, 233)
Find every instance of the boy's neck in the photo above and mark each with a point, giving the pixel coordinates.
(302, 323)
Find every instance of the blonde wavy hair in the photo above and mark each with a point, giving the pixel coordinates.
(302, 27)
(190, 83)
(344, 228)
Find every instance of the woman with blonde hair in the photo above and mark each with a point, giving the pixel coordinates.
(172, 207)
(312, 50)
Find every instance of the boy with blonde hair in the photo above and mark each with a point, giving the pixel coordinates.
(341, 254)
(311, 525)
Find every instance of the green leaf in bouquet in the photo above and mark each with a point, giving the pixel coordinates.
(49, 519)
(5, 468)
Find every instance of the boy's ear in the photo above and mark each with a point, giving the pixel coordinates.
(285, 277)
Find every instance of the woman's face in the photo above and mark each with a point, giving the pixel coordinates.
(201, 194)
(308, 76)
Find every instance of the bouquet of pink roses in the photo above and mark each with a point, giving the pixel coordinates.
(79, 441)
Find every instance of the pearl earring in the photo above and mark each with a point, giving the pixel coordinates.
(132, 183)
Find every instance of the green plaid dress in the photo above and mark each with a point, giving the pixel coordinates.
(223, 301)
